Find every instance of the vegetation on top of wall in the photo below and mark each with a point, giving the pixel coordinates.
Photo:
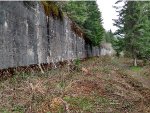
(77, 29)
(88, 17)
(51, 9)
(80, 32)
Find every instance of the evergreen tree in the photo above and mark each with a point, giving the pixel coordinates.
(93, 24)
(77, 11)
(134, 24)
(108, 36)
(131, 28)
(87, 15)
(143, 42)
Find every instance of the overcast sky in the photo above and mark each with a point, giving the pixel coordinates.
(108, 13)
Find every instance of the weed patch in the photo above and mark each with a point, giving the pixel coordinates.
(80, 103)
(135, 68)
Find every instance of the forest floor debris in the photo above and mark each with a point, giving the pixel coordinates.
(102, 85)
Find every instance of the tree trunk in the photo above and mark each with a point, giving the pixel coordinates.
(135, 61)
(134, 57)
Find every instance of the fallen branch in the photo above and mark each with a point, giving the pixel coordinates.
(66, 105)
(42, 71)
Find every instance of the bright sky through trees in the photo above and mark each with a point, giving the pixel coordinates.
(108, 13)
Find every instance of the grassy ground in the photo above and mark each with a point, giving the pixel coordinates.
(99, 85)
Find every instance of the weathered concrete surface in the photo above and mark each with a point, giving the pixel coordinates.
(21, 29)
(107, 49)
(24, 40)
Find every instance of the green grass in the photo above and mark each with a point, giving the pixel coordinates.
(89, 104)
(82, 103)
(18, 109)
(3, 110)
(136, 68)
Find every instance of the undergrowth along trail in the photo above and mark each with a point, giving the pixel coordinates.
(97, 85)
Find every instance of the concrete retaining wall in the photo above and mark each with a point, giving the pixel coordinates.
(24, 40)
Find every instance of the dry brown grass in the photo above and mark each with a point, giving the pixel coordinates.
(102, 85)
